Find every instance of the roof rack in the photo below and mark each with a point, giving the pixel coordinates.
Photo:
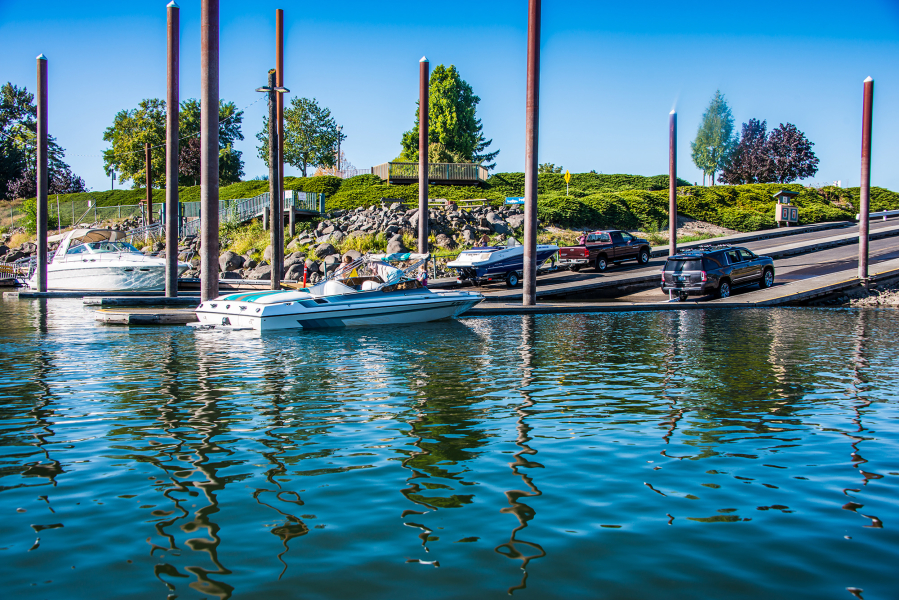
(712, 246)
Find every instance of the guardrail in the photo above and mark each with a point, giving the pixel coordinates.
(883, 213)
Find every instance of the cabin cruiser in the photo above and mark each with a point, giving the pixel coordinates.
(101, 260)
(499, 262)
(368, 291)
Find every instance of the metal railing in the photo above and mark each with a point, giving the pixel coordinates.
(438, 171)
(238, 211)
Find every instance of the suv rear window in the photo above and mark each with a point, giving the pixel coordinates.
(679, 265)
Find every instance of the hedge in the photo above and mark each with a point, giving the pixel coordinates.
(595, 200)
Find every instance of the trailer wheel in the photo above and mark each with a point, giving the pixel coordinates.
(511, 279)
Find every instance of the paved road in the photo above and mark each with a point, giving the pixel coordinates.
(788, 269)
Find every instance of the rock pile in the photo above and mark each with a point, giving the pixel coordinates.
(877, 296)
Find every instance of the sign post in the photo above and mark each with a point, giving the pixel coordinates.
(567, 179)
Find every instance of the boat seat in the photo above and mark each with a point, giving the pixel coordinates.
(369, 285)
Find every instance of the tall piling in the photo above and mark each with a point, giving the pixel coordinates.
(672, 183)
(148, 181)
(277, 215)
(209, 149)
(42, 179)
(172, 100)
(865, 192)
(279, 100)
(423, 118)
(532, 113)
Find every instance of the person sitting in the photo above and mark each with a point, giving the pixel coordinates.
(344, 268)
(423, 275)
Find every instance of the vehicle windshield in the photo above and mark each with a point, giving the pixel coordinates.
(678, 265)
(103, 247)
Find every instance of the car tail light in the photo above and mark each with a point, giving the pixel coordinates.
(703, 275)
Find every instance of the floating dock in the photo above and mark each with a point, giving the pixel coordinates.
(146, 316)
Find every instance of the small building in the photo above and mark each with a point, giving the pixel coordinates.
(785, 212)
(438, 173)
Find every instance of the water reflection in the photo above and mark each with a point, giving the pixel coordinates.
(515, 548)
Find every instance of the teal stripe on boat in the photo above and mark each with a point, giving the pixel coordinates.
(252, 296)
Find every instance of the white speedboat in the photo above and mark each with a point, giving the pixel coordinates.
(100, 260)
(366, 292)
(498, 262)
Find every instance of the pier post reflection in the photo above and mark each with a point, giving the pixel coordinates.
(860, 403)
(515, 548)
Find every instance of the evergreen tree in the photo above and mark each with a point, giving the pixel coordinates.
(455, 134)
(715, 140)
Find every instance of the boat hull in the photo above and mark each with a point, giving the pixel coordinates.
(140, 276)
(360, 311)
(499, 263)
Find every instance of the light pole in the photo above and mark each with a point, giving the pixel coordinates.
(339, 129)
(276, 214)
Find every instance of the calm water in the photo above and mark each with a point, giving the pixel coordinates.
(718, 454)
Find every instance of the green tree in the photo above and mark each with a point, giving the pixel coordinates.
(715, 140)
(310, 136)
(18, 140)
(455, 134)
(131, 129)
(549, 168)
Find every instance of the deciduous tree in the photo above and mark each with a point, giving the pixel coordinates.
(782, 156)
(310, 136)
(549, 168)
(131, 129)
(18, 149)
(791, 154)
(715, 140)
(455, 134)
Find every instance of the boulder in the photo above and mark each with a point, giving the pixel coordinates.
(331, 261)
(328, 230)
(229, 261)
(469, 236)
(312, 266)
(325, 250)
(515, 221)
(267, 253)
(261, 272)
(445, 242)
(297, 258)
(294, 272)
(250, 264)
(230, 275)
(353, 254)
(395, 245)
(337, 237)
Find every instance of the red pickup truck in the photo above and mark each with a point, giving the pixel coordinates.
(603, 248)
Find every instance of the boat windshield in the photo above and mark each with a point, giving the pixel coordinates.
(102, 247)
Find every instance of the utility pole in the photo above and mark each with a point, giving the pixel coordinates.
(209, 149)
(172, 212)
(42, 165)
(423, 117)
(149, 182)
(532, 114)
(339, 129)
(672, 184)
(865, 191)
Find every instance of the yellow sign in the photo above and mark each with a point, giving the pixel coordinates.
(567, 176)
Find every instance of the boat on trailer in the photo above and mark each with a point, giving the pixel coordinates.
(368, 291)
(499, 262)
(101, 260)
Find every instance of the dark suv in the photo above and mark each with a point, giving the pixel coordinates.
(715, 269)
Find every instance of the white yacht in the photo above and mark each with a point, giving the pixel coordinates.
(100, 260)
(366, 292)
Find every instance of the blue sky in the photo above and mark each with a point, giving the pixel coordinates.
(611, 72)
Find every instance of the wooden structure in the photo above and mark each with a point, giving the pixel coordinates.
(438, 173)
